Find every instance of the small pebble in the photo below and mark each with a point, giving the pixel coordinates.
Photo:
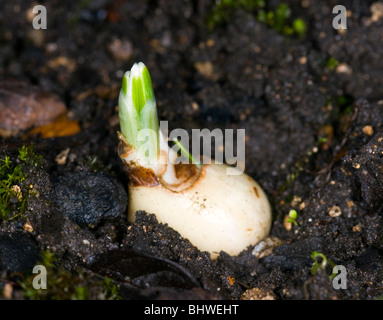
(356, 165)
(344, 68)
(335, 211)
(8, 291)
(286, 224)
(121, 50)
(357, 228)
(368, 130)
(258, 294)
(62, 157)
(89, 197)
(376, 10)
(266, 247)
(28, 226)
(206, 69)
(296, 200)
(350, 204)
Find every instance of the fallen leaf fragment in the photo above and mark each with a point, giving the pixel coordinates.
(61, 127)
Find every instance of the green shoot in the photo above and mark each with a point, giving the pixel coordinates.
(292, 217)
(320, 261)
(138, 111)
(186, 153)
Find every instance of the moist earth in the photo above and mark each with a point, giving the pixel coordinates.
(311, 105)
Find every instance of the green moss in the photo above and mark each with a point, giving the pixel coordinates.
(344, 104)
(64, 285)
(332, 63)
(223, 10)
(13, 194)
(279, 19)
(28, 156)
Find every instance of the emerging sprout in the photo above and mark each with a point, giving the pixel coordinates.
(293, 217)
(215, 211)
(137, 109)
(316, 256)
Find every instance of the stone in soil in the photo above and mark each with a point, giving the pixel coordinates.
(88, 197)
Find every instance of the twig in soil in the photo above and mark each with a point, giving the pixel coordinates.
(339, 151)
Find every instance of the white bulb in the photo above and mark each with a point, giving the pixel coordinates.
(218, 212)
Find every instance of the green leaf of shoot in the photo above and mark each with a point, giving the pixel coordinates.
(138, 110)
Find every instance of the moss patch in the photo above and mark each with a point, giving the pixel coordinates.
(13, 192)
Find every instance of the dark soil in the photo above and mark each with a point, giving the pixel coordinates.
(240, 74)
